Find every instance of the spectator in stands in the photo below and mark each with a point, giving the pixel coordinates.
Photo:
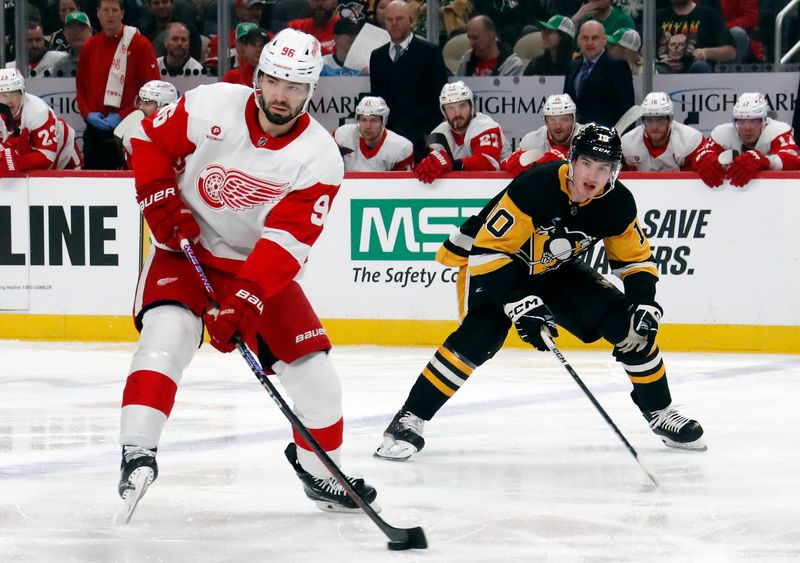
(320, 24)
(549, 142)
(466, 140)
(246, 11)
(606, 13)
(379, 19)
(250, 41)
(757, 142)
(509, 17)
(558, 40)
(625, 44)
(741, 18)
(40, 58)
(661, 143)
(77, 32)
(108, 80)
(177, 61)
(486, 56)
(408, 72)
(286, 11)
(345, 32)
(58, 40)
(154, 27)
(601, 85)
(37, 139)
(454, 17)
(691, 38)
(368, 145)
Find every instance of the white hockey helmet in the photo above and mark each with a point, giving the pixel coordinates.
(657, 104)
(291, 55)
(559, 104)
(373, 105)
(158, 91)
(456, 92)
(11, 80)
(750, 105)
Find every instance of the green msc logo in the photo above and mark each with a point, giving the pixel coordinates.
(405, 229)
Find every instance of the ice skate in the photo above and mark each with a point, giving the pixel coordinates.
(675, 430)
(402, 438)
(326, 492)
(137, 471)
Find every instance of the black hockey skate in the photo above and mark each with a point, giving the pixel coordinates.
(676, 431)
(137, 471)
(402, 438)
(326, 492)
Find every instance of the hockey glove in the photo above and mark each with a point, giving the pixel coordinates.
(644, 321)
(530, 315)
(238, 314)
(512, 164)
(709, 169)
(20, 142)
(745, 167)
(166, 212)
(9, 161)
(433, 166)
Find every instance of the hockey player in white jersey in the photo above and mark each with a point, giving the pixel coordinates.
(153, 96)
(38, 139)
(368, 146)
(757, 141)
(662, 144)
(551, 140)
(465, 140)
(259, 179)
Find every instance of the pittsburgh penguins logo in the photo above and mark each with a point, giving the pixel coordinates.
(557, 245)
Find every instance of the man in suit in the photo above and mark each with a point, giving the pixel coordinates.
(408, 72)
(601, 85)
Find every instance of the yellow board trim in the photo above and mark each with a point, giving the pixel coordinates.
(436, 383)
(671, 337)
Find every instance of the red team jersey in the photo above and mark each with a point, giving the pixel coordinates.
(482, 147)
(244, 188)
(393, 152)
(776, 143)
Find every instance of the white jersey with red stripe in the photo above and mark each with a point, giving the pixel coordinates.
(776, 143)
(483, 145)
(242, 186)
(393, 151)
(49, 135)
(541, 140)
(679, 153)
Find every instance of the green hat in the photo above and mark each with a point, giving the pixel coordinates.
(79, 17)
(560, 23)
(243, 29)
(626, 37)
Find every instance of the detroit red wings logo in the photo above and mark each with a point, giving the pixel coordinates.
(236, 190)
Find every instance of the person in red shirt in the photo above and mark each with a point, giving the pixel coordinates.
(107, 82)
(741, 19)
(247, 11)
(486, 56)
(320, 24)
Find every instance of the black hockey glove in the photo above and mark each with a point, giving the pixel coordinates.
(644, 321)
(530, 315)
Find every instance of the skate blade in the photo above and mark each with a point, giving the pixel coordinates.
(698, 445)
(392, 450)
(141, 479)
(327, 506)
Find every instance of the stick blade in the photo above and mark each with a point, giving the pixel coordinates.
(410, 538)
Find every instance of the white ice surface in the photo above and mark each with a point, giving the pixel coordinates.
(518, 466)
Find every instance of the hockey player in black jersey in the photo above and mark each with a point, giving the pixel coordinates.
(525, 269)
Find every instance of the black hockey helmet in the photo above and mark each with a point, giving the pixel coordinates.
(596, 141)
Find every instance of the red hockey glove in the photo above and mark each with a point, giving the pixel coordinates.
(9, 162)
(512, 164)
(166, 212)
(238, 314)
(745, 167)
(433, 166)
(709, 169)
(21, 143)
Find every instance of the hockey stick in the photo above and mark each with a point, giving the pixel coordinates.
(399, 538)
(552, 347)
(628, 118)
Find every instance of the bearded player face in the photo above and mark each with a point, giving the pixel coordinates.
(282, 100)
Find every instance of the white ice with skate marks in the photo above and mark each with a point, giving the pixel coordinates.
(518, 467)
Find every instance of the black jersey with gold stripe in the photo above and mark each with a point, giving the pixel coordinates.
(535, 228)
